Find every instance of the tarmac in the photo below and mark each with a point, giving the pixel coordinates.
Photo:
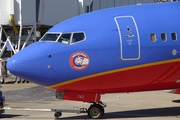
(32, 102)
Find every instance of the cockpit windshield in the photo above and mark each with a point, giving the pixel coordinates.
(50, 37)
(65, 38)
(71, 38)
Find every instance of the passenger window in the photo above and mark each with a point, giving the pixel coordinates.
(174, 36)
(153, 37)
(77, 37)
(163, 37)
(65, 38)
(50, 37)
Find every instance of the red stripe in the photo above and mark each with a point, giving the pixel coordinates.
(163, 76)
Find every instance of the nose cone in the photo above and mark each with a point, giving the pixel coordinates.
(26, 63)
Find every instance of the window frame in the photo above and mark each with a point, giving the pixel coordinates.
(69, 38)
(80, 40)
(153, 37)
(70, 41)
(176, 36)
(163, 40)
(50, 33)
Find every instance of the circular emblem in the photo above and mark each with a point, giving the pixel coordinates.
(79, 60)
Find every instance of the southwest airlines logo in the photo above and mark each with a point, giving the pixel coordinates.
(79, 61)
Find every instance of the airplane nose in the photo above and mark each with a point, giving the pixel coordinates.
(26, 63)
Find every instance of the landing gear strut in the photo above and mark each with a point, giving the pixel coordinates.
(96, 110)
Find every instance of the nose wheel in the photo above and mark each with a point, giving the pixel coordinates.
(57, 114)
(96, 111)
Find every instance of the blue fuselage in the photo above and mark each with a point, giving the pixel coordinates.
(115, 38)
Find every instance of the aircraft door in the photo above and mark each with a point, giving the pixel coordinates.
(129, 37)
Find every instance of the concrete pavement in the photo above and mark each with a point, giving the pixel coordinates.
(156, 105)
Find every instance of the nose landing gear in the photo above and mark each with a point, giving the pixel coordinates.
(95, 111)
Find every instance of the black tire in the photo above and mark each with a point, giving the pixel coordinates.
(57, 114)
(95, 111)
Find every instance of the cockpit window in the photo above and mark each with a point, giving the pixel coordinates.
(65, 38)
(70, 38)
(77, 37)
(50, 37)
